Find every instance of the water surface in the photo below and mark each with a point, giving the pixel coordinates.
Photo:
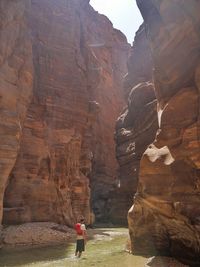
(105, 249)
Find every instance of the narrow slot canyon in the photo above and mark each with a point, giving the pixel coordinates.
(95, 127)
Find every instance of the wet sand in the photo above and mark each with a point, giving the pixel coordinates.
(105, 248)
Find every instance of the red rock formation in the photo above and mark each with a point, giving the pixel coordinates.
(164, 262)
(79, 62)
(16, 72)
(165, 215)
(137, 126)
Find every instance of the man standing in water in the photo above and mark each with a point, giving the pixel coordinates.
(80, 237)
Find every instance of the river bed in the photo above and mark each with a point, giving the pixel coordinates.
(106, 248)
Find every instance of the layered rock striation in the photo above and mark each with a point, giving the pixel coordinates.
(165, 216)
(57, 139)
(137, 125)
(16, 83)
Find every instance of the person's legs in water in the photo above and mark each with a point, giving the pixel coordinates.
(76, 252)
(80, 247)
(77, 249)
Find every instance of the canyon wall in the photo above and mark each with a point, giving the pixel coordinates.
(165, 217)
(16, 82)
(60, 135)
(137, 125)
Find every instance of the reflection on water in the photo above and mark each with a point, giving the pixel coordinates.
(106, 249)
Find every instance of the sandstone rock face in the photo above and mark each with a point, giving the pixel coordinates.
(137, 126)
(164, 262)
(107, 65)
(16, 75)
(66, 146)
(165, 215)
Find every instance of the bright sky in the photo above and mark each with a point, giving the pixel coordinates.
(124, 15)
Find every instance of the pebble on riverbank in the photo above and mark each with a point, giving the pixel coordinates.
(35, 234)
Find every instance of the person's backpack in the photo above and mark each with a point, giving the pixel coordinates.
(78, 229)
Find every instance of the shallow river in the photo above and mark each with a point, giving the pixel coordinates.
(105, 249)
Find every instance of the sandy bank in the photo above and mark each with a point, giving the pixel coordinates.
(35, 235)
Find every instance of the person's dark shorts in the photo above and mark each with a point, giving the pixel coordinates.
(80, 245)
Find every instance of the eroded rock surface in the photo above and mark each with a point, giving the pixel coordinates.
(16, 76)
(165, 216)
(66, 135)
(137, 125)
(164, 262)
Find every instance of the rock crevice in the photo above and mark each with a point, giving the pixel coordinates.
(165, 216)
